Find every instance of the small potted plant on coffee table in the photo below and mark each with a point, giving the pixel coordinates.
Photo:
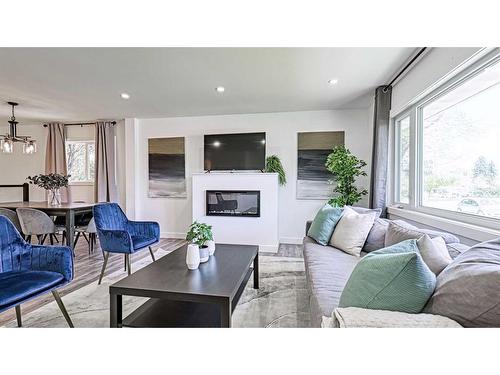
(197, 251)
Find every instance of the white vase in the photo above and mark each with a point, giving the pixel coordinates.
(204, 254)
(211, 246)
(193, 256)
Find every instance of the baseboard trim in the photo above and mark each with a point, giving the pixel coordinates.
(291, 240)
(268, 248)
(173, 235)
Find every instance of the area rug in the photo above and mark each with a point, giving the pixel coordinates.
(281, 300)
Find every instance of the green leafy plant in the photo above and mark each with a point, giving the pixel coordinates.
(199, 233)
(273, 165)
(51, 181)
(345, 168)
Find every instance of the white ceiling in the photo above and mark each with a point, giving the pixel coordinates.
(83, 84)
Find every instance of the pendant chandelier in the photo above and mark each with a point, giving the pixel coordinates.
(7, 141)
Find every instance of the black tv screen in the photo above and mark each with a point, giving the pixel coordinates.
(226, 152)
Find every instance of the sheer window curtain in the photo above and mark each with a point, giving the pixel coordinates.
(380, 156)
(55, 155)
(105, 187)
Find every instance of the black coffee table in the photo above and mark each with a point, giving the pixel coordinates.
(205, 297)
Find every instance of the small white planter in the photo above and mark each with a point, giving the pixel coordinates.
(211, 246)
(204, 254)
(193, 256)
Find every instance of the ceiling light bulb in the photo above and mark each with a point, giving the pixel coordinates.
(125, 96)
(7, 146)
(29, 147)
(333, 81)
(220, 89)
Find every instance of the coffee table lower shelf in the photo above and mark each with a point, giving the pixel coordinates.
(165, 313)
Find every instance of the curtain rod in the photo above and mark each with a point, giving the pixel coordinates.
(406, 67)
(82, 124)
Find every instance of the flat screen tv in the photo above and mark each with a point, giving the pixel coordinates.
(227, 152)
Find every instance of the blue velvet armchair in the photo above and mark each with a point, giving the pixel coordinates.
(27, 271)
(117, 234)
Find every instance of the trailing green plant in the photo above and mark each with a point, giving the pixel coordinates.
(51, 181)
(199, 233)
(273, 165)
(345, 168)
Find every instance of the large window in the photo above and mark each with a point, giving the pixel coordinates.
(80, 157)
(456, 136)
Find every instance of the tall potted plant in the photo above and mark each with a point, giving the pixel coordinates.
(198, 252)
(51, 182)
(346, 168)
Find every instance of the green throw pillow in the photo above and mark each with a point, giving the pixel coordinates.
(394, 278)
(324, 223)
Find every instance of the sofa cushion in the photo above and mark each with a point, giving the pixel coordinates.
(363, 210)
(140, 242)
(352, 230)
(468, 290)
(18, 286)
(394, 278)
(434, 253)
(324, 223)
(376, 237)
(447, 237)
(327, 271)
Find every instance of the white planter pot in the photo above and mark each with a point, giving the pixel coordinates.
(211, 247)
(193, 256)
(204, 254)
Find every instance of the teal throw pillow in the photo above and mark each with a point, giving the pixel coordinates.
(324, 223)
(393, 278)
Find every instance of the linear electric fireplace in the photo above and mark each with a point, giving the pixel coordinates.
(233, 203)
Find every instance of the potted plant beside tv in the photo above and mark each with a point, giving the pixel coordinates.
(199, 234)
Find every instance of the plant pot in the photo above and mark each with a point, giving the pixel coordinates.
(54, 197)
(204, 254)
(211, 247)
(193, 256)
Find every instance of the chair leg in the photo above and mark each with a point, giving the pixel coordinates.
(76, 239)
(39, 237)
(152, 254)
(106, 256)
(18, 316)
(28, 238)
(54, 237)
(86, 238)
(55, 293)
(44, 237)
(92, 242)
(129, 268)
(51, 239)
(125, 261)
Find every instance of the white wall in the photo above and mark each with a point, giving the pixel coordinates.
(15, 167)
(434, 67)
(174, 215)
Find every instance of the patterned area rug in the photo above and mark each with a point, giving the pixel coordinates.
(281, 300)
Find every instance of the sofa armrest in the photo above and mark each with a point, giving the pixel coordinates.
(116, 241)
(52, 258)
(308, 225)
(145, 228)
(355, 317)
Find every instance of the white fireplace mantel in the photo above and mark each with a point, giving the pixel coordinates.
(261, 231)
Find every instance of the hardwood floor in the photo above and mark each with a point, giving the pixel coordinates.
(87, 270)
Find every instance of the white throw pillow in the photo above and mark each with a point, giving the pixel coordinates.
(352, 230)
(434, 253)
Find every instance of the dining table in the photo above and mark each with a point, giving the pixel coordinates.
(67, 210)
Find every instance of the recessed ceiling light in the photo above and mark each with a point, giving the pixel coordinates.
(124, 95)
(333, 81)
(220, 89)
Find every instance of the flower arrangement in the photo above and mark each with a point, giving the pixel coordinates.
(51, 181)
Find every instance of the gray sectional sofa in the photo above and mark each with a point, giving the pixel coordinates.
(328, 269)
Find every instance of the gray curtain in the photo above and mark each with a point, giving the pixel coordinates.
(55, 155)
(105, 189)
(380, 149)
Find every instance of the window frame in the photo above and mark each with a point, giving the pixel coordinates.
(416, 148)
(88, 181)
(397, 159)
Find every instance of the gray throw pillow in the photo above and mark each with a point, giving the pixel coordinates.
(468, 290)
(396, 234)
(376, 237)
(447, 237)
